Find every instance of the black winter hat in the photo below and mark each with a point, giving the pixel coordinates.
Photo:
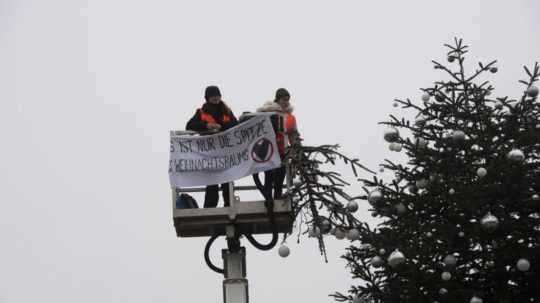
(212, 91)
(281, 93)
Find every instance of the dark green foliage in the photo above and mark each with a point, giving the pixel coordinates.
(435, 204)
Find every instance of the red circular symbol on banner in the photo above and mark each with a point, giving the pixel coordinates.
(262, 151)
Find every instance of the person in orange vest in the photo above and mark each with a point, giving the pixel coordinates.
(214, 116)
(282, 104)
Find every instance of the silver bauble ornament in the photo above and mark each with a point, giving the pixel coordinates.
(425, 97)
(422, 183)
(516, 155)
(391, 134)
(359, 299)
(314, 232)
(443, 291)
(481, 172)
(340, 234)
(375, 196)
(446, 276)
(284, 251)
(458, 136)
(352, 206)
(382, 251)
(476, 299)
(523, 265)
(493, 69)
(461, 234)
(420, 143)
(377, 261)
(532, 91)
(489, 222)
(420, 120)
(450, 260)
(396, 258)
(401, 208)
(397, 147)
(536, 197)
(451, 191)
(353, 234)
(325, 225)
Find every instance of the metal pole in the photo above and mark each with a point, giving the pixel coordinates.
(235, 284)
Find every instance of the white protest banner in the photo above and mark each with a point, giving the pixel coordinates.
(243, 150)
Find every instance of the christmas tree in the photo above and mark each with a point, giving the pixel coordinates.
(460, 221)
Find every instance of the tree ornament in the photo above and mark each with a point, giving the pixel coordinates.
(412, 189)
(451, 59)
(439, 97)
(377, 261)
(394, 146)
(493, 69)
(422, 183)
(396, 104)
(382, 251)
(340, 234)
(425, 97)
(523, 265)
(352, 206)
(476, 299)
(314, 232)
(353, 234)
(401, 208)
(325, 224)
(420, 143)
(461, 234)
(451, 191)
(396, 258)
(532, 91)
(458, 136)
(446, 276)
(375, 196)
(536, 197)
(481, 172)
(391, 134)
(443, 291)
(420, 120)
(516, 155)
(450, 261)
(359, 299)
(284, 251)
(489, 222)
(429, 234)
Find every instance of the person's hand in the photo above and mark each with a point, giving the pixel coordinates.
(214, 127)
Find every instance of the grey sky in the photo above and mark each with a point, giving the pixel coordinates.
(90, 89)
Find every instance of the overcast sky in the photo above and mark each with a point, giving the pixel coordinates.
(90, 89)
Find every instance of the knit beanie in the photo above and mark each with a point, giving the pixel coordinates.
(211, 91)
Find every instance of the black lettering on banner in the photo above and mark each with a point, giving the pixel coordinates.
(225, 141)
(185, 146)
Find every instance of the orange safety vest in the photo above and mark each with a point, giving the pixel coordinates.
(290, 126)
(206, 117)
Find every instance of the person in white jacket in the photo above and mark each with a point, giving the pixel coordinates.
(274, 178)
